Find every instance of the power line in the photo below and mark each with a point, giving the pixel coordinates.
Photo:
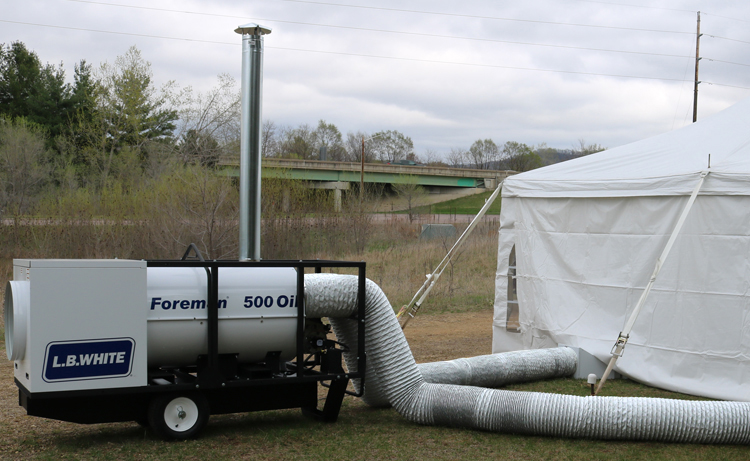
(725, 62)
(630, 5)
(638, 6)
(117, 33)
(725, 38)
(155, 9)
(723, 84)
(432, 61)
(725, 17)
(471, 16)
(679, 93)
(490, 40)
(333, 26)
(493, 66)
(428, 12)
(346, 54)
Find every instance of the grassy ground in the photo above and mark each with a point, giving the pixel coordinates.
(464, 205)
(455, 322)
(361, 433)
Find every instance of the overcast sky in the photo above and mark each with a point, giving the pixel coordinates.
(444, 73)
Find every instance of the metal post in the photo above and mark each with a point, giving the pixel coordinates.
(250, 150)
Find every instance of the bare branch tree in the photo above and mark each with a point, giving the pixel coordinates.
(408, 188)
(457, 157)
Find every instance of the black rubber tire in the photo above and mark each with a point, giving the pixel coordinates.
(178, 416)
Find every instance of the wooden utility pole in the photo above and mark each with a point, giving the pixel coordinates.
(697, 58)
(362, 175)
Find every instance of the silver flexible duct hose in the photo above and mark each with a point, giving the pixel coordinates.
(497, 370)
(394, 377)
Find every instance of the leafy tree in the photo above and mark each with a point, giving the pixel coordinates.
(22, 171)
(297, 143)
(51, 106)
(548, 155)
(135, 112)
(132, 120)
(299, 146)
(483, 153)
(587, 149)
(392, 146)
(513, 148)
(328, 136)
(38, 92)
(84, 90)
(76, 137)
(20, 74)
(520, 157)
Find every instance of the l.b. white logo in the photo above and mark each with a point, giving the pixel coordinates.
(91, 359)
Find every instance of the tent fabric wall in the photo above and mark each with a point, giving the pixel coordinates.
(588, 232)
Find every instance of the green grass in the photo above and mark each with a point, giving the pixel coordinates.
(464, 205)
(361, 433)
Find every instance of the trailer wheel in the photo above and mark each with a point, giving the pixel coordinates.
(178, 417)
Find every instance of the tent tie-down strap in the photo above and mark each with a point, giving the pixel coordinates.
(410, 310)
(622, 340)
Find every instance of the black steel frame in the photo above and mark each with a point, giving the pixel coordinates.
(225, 394)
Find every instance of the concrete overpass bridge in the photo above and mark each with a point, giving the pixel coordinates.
(339, 175)
(427, 176)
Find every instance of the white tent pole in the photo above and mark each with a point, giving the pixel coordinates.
(416, 302)
(619, 346)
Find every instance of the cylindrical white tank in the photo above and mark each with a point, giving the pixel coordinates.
(257, 313)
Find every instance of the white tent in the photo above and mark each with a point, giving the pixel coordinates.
(586, 234)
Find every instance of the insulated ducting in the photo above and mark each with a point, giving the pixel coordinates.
(497, 370)
(394, 378)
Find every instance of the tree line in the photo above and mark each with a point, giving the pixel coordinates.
(484, 154)
(113, 127)
(325, 142)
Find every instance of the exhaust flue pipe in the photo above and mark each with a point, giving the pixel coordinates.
(250, 153)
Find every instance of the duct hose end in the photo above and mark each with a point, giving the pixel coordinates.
(16, 317)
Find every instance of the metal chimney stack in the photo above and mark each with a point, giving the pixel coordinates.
(250, 155)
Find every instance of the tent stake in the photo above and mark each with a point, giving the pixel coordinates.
(622, 340)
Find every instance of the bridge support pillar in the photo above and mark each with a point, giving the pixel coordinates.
(336, 186)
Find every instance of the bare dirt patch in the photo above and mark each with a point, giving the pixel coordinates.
(450, 336)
